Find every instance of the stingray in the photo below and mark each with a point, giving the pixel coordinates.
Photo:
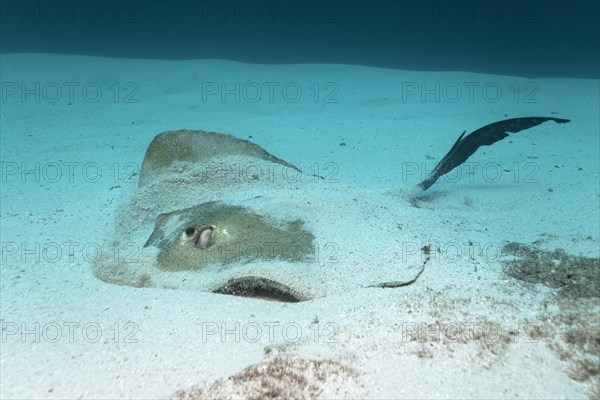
(220, 214)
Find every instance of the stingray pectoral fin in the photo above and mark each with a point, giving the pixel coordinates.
(198, 147)
(465, 146)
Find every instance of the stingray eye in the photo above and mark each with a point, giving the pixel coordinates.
(189, 232)
(189, 235)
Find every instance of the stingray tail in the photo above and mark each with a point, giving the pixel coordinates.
(466, 146)
(439, 169)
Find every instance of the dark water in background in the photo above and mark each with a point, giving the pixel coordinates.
(526, 38)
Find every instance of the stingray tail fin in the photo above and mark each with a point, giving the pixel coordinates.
(439, 169)
(466, 146)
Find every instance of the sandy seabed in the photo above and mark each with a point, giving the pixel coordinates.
(506, 307)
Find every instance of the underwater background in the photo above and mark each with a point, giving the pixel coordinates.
(525, 38)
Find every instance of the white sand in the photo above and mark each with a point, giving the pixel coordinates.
(154, 342)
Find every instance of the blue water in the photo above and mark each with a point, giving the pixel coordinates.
(524, 38)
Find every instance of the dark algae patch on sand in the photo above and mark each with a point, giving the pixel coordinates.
(574, 331)
(574, 276)
(281, 378)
